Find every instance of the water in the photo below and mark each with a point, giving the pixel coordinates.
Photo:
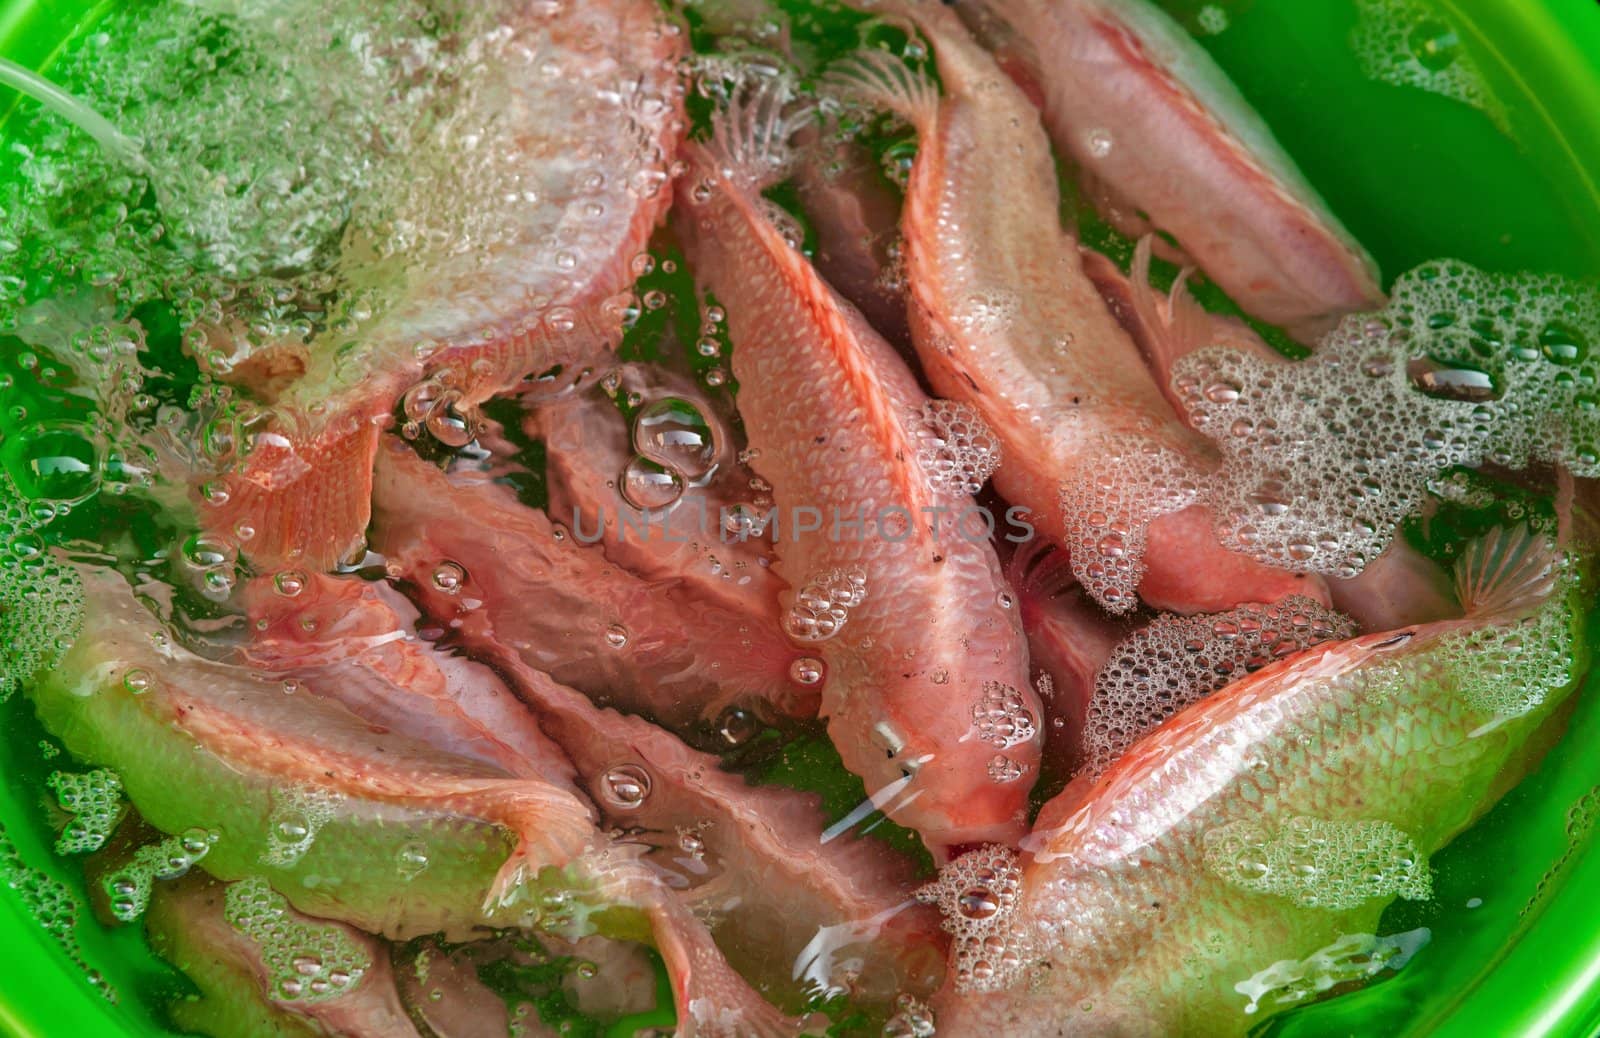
(91, 453)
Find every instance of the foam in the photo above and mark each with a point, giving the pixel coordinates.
(43, 599)
(978, 895)
(822, 606)
(304, 961)
(1407, 43)
(956, 448)
(94, 799)
(297, 816)
(1357, 956)
(129, 887)
(1323, 458)
(52, 904)
(1318, 863)
(1179, 660)
(1108, 513)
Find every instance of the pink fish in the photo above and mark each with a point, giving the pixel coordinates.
(1161, 131)
(1005, 320)
(467, 319)
(296, 782)
(650, 647)
(788, 903)
(1267, 821)
(356, 642)
(926, 694)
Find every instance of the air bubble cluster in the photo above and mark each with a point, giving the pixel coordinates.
(1323, 458)
(978, 894)
(128, 888)
(1108, 512)
(1001, 716)
(822, 606)
(297, 817)
(304, 961)
(1355, 956)
(1320, 864)
(1409, 43)
(1179, 660)
(52, 904)
(94, 799)
(43, 599)
(957, 449)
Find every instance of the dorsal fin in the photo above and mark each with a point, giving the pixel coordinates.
(751, 137)
(1509, 569)
(878, 78)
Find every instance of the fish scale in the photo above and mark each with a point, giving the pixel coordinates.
(830, 409)
(1005, 318)
(1389, 728)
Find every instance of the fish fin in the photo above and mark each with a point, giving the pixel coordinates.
(751, 136)
(308, 504)
(876, 77)
(1509, 569)
(553, 828)
(1041, 569)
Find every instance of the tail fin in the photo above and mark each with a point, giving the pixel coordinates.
(751, 137)
(878, 78)
(553, 828)
(1510, 569)
(305, 504)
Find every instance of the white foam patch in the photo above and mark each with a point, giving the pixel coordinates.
(1356, 956)
(978, 895)
(1323, 458)
(957, 449)
(304, 961)
(1108, 514)
(42, 600)
(1318, 863)
(1178, 660)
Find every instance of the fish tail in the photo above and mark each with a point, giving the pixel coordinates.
(1508, 570)
(553, 828)
(306, 504)
(751, 139)
(876, 77)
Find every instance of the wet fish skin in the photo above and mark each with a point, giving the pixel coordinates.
(1140, 105)
(305, 487)
(1006, 318)
(833, 413)
(680, 660)
(356, 641)
(187, 926)
(1384, 727)
(588, 445)
(217, 746)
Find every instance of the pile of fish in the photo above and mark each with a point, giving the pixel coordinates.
(1099, 595)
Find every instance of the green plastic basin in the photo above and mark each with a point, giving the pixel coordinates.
(1415, 176)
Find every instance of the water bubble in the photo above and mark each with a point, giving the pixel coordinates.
(1098, 142)
(625, 786)
(412, 860)
(616, 636)
(137, 680)
(675, 434)
(807, 670)
(289, 582)
(1434, 45)
(737, 725)
(449, 577)
(648, 486)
